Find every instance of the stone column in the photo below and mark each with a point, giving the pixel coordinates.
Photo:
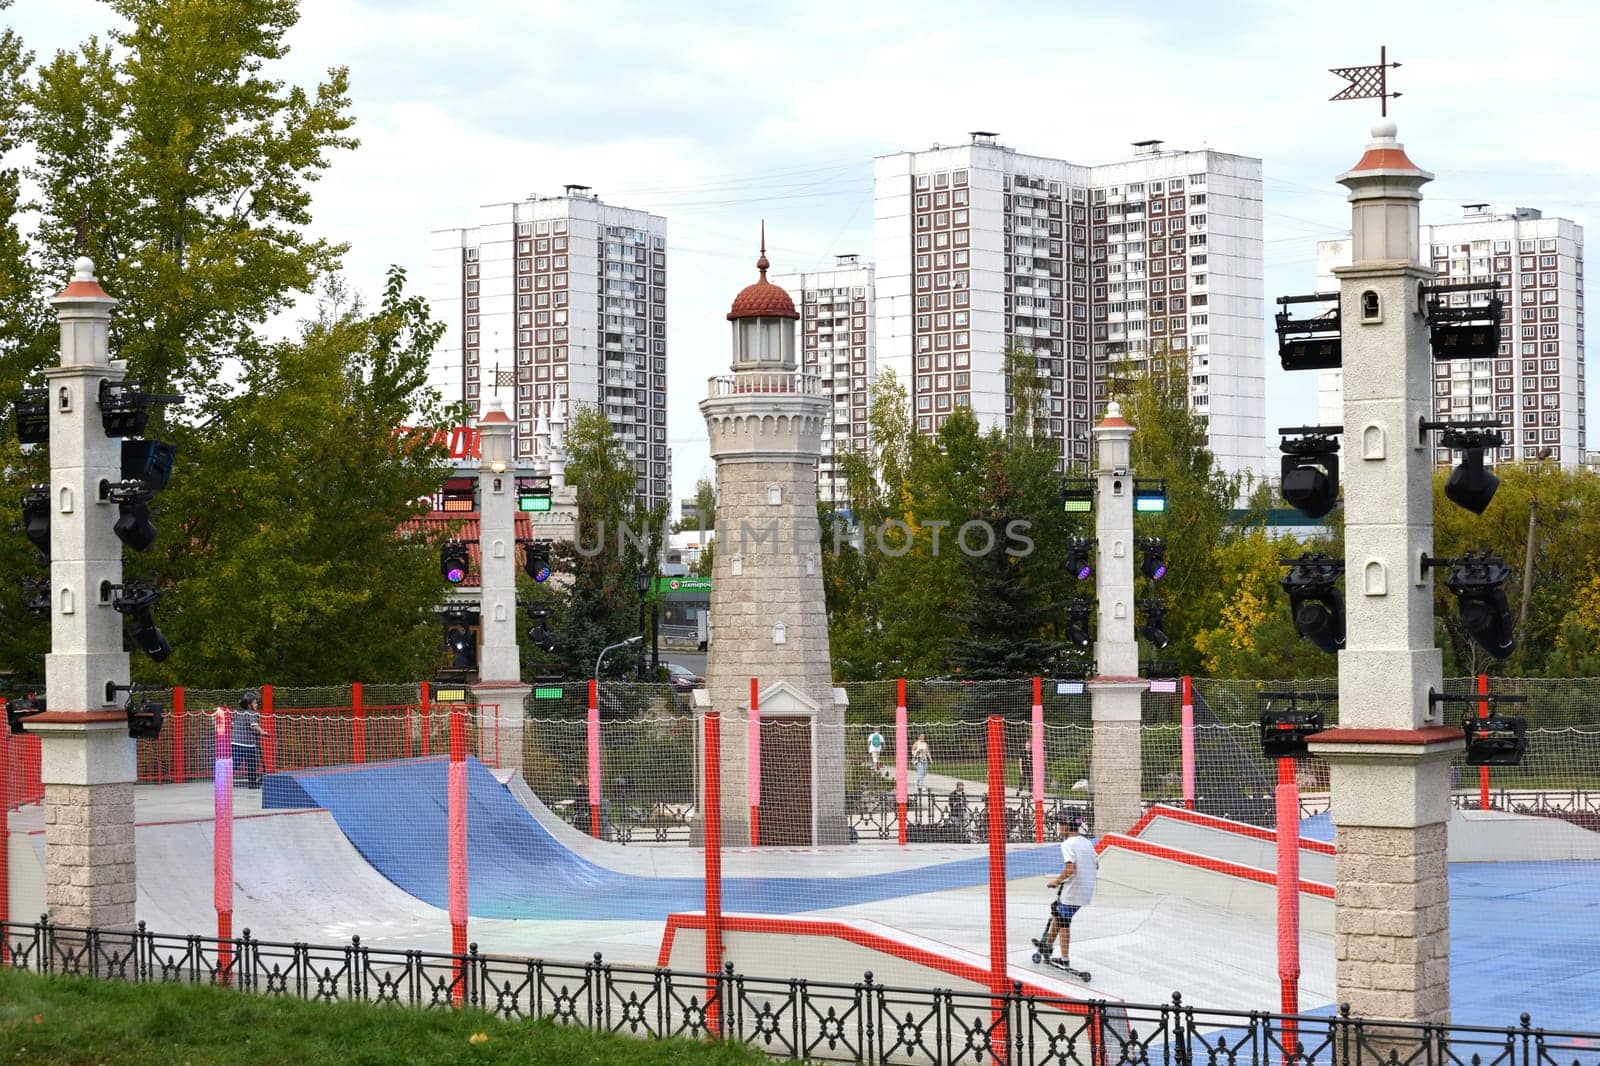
(88, 761)
(1389, 758)
(767, 605)
(499, 666)
(1116, 692)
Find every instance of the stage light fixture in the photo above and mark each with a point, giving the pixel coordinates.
(32, 412)
(1476, 580)
(1310, 468)
(1314, 599)
(1080, 553)
(538, 634)
(1311, 343)
(454, 561)
(536, 560)
(21, 709)
(1154, 627)
(1079, 613)
(1077, 497)
(36, 517)
(144, 718)
(1470, 329)
(135, 600)
(1154, 563)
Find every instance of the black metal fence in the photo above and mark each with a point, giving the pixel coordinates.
(862, 1022)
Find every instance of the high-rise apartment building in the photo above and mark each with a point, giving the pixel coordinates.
(981, 249)
(563, 301)
(1535, 384)
(837, 333)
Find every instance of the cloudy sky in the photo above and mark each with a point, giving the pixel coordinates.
(718, 115)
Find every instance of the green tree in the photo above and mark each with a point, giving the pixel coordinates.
(1565, 508)
(262, 580)
(171, 158)
(1169, 443)
(597, 600)
(1253, 635)
(705, 503)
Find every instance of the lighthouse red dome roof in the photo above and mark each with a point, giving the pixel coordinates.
(762, 299)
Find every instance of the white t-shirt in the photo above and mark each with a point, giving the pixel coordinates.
(1079, 850)
(875, 742)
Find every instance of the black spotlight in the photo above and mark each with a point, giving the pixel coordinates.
(1471, 485)
(1476, 581)
(454, 561)
(536, 560)
(36, 517)
(144, 719)
(32, 413)
(36, 596)
(1314, 599)
(1078, 614)
(1154, 564)
(463, 648)
(1310, 469)
(133, 526)
(135, 601)
(21, 709)
(1080, 553)
(538, 634)
(1154, 628)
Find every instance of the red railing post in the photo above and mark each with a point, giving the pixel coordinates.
(1036, 750)
(269, 733)
(358, 724)
(222, 842)
(1187, 742)
(999, 982)
(175, 731)
(426, 712)
(755, 763)
(593, 742)
(900, 756)
(457, 802)
(713, 835)
(1288, 903)
(7, 773)
(1483, 771)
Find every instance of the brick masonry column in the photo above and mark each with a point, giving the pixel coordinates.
(1389, 758)
(88, 766)
(1391, 807)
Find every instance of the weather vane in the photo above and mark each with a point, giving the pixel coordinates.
(1368, 83)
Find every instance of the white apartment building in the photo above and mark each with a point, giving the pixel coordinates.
(981, 248)
(837, 342)
(1536, 382)
(566, 298)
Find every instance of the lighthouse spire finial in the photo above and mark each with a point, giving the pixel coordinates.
(762, 264)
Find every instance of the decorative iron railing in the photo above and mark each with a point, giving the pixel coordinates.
(861, 1022)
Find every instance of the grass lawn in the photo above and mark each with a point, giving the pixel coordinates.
(85, 1020)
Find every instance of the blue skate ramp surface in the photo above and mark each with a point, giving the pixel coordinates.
(395, 814)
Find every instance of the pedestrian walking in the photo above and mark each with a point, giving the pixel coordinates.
(920, 757)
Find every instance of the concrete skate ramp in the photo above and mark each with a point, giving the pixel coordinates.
(1133, 862)
(296, 876)
(1235, 842)
(843, 950)
(395, 816)
(1499, 836)
(26, 870)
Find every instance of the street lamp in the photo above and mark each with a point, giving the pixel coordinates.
(607, 650)
(644, 592)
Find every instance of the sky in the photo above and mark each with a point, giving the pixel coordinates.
(721, 115)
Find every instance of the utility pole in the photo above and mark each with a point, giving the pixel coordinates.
(1527, 572)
